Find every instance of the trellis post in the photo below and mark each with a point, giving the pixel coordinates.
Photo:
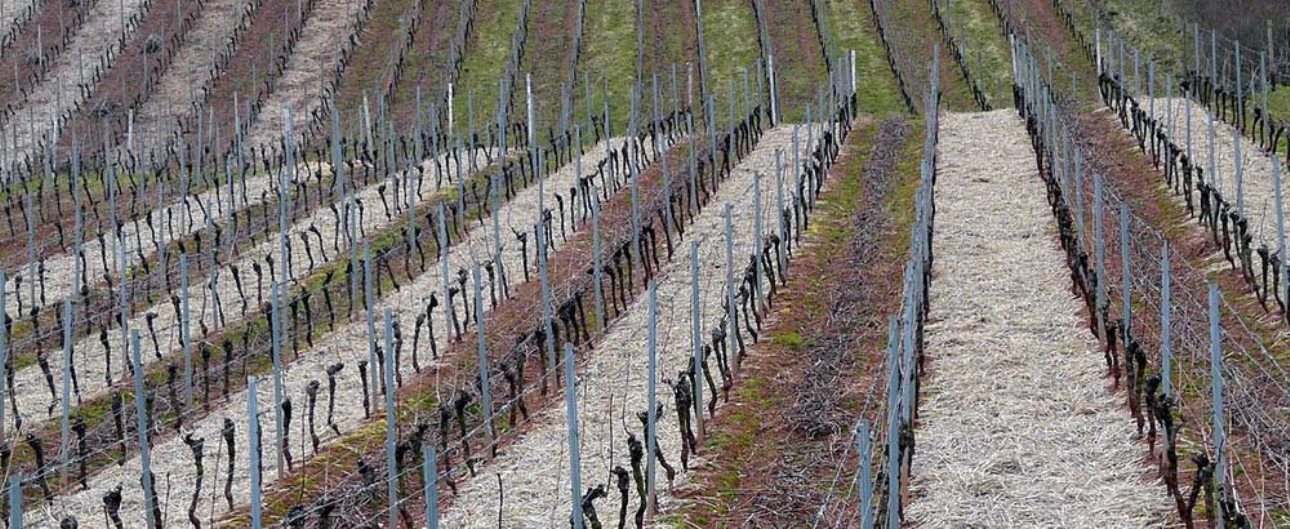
(66, 397)
(1281, 222)
(571, 421)
(893, 425)
(732, 310)
(4, 362)
(185, 326)
(651, 415)
(696, 329)
(391, 432)
(485, 388)
(1216, 387)
(141, 412)
(1099, 254)
(1166, 309)
(253, 438)
(1126, 273)
(443, 272)
(864, 476)
(596, 258)
(430, 479)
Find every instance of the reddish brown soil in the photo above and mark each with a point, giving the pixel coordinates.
(427, 62)
(780, 436)
(1115, 154)
(50, 22)
(797, 48)
(124, 86)
(373, 59)
(568, 269)
(251, 68)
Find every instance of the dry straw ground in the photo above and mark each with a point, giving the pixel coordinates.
(1017, 428)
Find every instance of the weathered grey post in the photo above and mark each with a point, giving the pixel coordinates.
(596, 258)
(546, 300)
(703, 60)
(185, 326)
(652, 400)
(864, 472)
(123, 300)
(1216, 387)
(1151, 88)
(1213, 160)
(1079, 196)
(1166, 309)
(448, 311)
(1240, 98)
(893, 425)
(756, 242)
(571, 421)
(732, 313)
(369, 302)
(1097, 39)
(66, 397)
(781, 258)
(278, 331)
(141, 412)
(1281, 223)
(430, 478)
(1099, 254)
(1126, 274)
(391, 432)
(485, 388)
(1240, 172)
(31, 249)
(253, 438)
(696, 336)
(4, 363)
(15, 501)
(1187, 95)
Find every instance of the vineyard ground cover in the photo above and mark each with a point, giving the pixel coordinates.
(94, 47)
(344, 344)
(155, 120)
(1133, 175)
(670, 38)
(729, 27)
(1001, 310)
(877, 93)
(326, 474)
(765, 464)
(372, 59)
(41, 36)
(427, 63)
(986, 48)
(30, 386)
(486, 56)
(913, 30)
(311, 66)
(609, 386)
(546, 58)
(610, 55)
(249, 73)
(146, 56)
(799, 59)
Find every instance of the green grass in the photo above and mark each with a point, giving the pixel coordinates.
(485, 59)
(730, 39)
(876, 90)
(984, 48)
(609, 56)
